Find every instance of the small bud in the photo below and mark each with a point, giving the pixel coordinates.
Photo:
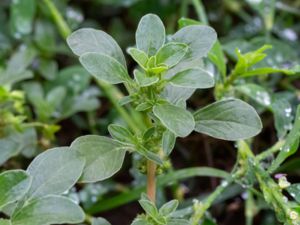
(283, 183)
(293, 215)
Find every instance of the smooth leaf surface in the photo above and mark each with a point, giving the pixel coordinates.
(13, 186)
(150, 34)
(54, 172)
(230, 119)
(104, 67)
(199, 38)
(171, 53)
(100, 221)
(104, 156)
(291, 144)
(193, 78)
(90, 40)
(143, 80)
(49, 210)
(176, 119)
(120, 133)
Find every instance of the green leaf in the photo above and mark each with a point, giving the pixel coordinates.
(22, 14)
(229, 119)
(168, 142)
(282, 111)
(87, 40)
(54, 172)
(255, 92)
(45, 36)
(291, 144)
(176, 119)
(216, 55)
(139, 56)
(171, 53)
(13, 186)
(199, 38)
(143, 106)
(150, 34)
(264, 71)
(49, 210)
(5, 222)
(104, 67)
(21, 59)
(143, 80)
(168, 208)
(193, 78)
(100, 221)
(120, 133)
(17, 142)
(177, 222)
(104, 156)
(48, 68)
(294, 191)
(149, 155)
(149, 208)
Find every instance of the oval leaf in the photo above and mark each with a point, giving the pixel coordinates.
(193, 78)
(100, 221)
(199, 38)
(176, 119)
(104, 67)
(104, 156)
(150, 34)
(90, 40)
(171, 53)
(49, 210)
(13, 186)
(54, 172)
(230, 119)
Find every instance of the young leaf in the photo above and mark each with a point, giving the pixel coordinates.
(49, 210)
(199, 38)
(171, 54)
(229, 119)
(143, 80)
(54, 172)
(149, 155)
(104, 67)
(150, 34)
(13, 186)
(168, 208)
(139, 56)
(90, 40)
(168, 142)
(176, 119)
(104, 156)
(120, 133)
(100, 221)
(193, 78)
(22, 15)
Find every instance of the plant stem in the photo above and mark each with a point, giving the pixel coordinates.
(63, 27)
(275, 148)
(151, 180)
(200, 11)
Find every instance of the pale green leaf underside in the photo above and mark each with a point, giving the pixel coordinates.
(13, 186)
(54, 172)
(90, 40)
(150, 34)
(230, 119)
(193, 78)
(176, 119)
(100, 221)
(49, 210)
(104, 156)
(199, 38)
(104, 67)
